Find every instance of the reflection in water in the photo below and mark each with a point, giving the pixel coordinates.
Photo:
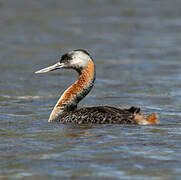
(136, 47)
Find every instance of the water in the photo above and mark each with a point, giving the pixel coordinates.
(136, 47)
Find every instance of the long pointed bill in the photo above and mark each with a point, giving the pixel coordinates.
(50, 68)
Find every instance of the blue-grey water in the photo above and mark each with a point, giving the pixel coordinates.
(136, 46)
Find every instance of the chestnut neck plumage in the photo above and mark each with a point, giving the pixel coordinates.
(77, 91)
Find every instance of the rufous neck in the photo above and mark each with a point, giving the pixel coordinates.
(77, 91)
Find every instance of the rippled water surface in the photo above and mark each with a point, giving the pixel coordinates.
(136, 47)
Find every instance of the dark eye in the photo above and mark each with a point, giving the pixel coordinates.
(65, 58)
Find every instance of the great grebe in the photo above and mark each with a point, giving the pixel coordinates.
(66, 111)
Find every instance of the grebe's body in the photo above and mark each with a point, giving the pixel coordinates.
(66, 111)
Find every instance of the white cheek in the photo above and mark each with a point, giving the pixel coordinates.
(80, 61)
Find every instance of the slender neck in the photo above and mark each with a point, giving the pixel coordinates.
(76, 92)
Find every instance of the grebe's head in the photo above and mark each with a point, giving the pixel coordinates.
(76, 59)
